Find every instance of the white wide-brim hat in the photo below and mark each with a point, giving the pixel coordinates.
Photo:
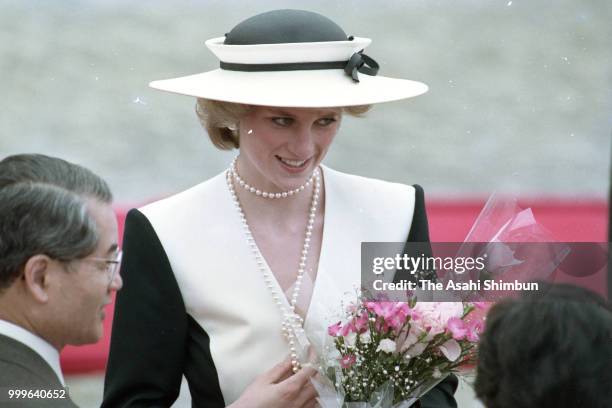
(292, 58)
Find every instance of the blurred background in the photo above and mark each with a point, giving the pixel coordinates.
(520, 101)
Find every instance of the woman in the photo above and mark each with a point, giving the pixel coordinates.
(222, 280)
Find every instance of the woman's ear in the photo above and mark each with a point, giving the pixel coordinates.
(37, 276)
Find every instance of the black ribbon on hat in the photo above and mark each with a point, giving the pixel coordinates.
(359, 62)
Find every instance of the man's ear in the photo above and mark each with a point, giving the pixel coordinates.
(37, 276)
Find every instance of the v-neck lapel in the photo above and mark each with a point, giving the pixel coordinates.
(337, 271)
(335, 243)
(276, 285)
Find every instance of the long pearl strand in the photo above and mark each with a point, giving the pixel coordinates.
(266, 194)
(292, 325)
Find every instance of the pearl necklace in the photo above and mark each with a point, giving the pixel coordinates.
(234, 172)
(292, 325)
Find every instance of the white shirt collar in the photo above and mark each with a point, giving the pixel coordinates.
(36, 343)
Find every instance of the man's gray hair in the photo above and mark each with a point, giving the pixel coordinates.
(43, 210)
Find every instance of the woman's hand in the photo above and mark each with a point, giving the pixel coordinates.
(280, 388)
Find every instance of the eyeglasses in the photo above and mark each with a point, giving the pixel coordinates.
(111, 266)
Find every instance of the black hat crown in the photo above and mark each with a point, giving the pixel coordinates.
(285, 26)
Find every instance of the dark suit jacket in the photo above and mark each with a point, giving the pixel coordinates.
(24, 369)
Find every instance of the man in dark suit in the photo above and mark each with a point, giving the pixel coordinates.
(58, 269)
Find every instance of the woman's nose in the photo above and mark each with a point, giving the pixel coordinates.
(302, 143)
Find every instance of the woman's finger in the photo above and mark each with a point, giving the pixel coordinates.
(279, 372)
(307, 396)
(303, 376)
(312, 403)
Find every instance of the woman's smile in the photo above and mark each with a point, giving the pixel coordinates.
(293, 166)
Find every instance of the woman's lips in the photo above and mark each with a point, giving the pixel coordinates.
(293, 166)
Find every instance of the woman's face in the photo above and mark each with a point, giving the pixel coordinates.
(281, 147)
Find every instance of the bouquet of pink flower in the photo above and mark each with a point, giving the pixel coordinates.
(388, 354)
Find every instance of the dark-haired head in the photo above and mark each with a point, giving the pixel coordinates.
(551, 349)
(43, 210)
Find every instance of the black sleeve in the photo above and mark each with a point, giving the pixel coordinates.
(442, 395)
(150, 326)
(418, 242)
(419, 230)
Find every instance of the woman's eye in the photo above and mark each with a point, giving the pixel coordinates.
(282, 121)
(326, 121)
(287, 121)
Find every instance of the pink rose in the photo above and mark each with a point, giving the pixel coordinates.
(435, 315)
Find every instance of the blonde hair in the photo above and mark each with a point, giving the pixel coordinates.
(220, 119)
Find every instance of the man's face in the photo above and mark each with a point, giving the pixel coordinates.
(86, 288)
